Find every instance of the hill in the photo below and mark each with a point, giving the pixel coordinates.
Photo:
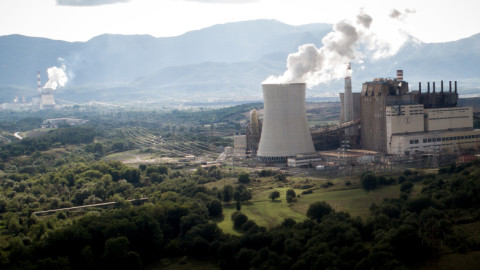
(222, 62)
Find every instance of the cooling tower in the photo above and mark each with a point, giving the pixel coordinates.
(285, 131)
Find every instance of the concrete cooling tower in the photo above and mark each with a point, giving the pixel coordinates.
(285, 131)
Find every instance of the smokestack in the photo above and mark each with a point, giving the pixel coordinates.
(441, 86)
(400, 75)
(348, 102)
(420, 87)
(428, 87)
(285, 131)
(39, 82)
(455, 86)
(450, 86)
(433, 87)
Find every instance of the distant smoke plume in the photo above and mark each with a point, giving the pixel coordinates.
(340, 47)
(56, 77)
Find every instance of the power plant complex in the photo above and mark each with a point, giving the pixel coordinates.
(385, 118)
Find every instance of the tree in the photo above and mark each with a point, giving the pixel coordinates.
(318, 210)
(243, 192)
(238, 206)
(368, 181)
(215, 208)
(238, 219)
(274, 195)
(227, 193)
(290, 195)
(244, 178)
(406, 187)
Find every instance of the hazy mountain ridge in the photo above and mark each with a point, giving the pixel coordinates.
(227, 61)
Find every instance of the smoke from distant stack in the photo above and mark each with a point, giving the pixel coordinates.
(56, 77)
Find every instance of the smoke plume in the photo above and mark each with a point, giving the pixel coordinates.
(56, 77)
(314, 65)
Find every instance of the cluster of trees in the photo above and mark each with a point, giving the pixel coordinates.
(178, 221)
(62, 136)
(371, 181)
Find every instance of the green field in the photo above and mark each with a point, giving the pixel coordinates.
(267, 213)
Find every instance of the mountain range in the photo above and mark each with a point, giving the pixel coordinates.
(222, 62)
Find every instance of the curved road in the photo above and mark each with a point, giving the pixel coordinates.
(16, 134)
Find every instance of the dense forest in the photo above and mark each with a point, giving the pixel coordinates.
(167, 211)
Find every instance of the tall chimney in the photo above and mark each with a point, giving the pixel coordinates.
(441, 86)
(428, 87)
(450, 86)
(455, 86)
(433, 87)
(400, 75)
(39, 82)
(419, 87)
(348, 102)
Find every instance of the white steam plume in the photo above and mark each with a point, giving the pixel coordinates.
(56, 77)
(340, 47)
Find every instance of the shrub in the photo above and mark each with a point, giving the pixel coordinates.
(280, 177)
(309, 191)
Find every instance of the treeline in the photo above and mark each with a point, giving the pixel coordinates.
(62, 136)
(177, 221)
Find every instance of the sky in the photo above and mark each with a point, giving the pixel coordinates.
(80, 20)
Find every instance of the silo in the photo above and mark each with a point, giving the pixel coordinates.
(285, 131)
(254, 130)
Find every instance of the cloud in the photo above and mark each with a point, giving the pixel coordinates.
(364, 19)
(395, 14)
(88, 2)
(225, 1)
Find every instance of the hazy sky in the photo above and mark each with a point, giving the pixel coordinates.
(80, 20)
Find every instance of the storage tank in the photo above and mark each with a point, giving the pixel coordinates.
(285, 131)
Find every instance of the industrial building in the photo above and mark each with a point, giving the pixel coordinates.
(397, 121)
(47, 100)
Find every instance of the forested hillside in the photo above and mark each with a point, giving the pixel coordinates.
(163, 213)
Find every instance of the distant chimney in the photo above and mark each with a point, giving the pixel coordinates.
(441, 86)
(433, 87)
(450, 86)
(39, 82)
(455, 86)
(400, 75)
(428, 87)
(420, 87)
